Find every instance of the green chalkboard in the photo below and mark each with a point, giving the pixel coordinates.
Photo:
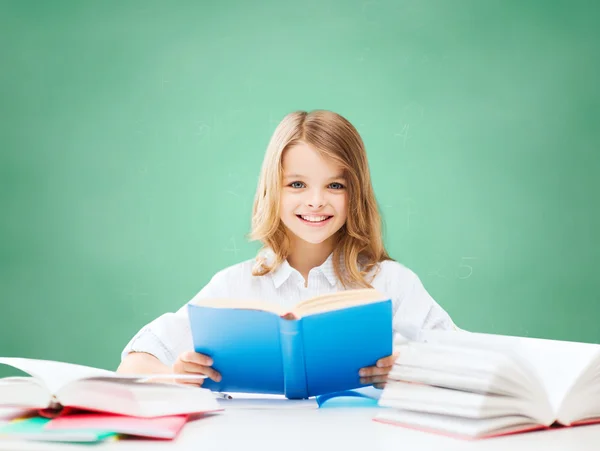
(132, 134)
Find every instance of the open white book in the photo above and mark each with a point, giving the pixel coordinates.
(54, 385)
(318, 304)
(475, 385)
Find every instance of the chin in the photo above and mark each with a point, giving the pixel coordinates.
(314, 241)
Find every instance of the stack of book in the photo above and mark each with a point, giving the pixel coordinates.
(65, 402)
(472, 385)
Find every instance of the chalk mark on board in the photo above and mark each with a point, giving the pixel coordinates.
(438, 271)
(231, 178)
(233, 247)
(134, 293)
(463, 264)
(404, 134)
(409, 212)
(203, 130)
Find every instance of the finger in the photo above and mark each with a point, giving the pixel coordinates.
(380, 385)
(183, 367)
(191, 382)
(192, 368)
(194, 357)
(373, 371)
(387, 361)
(373, 379)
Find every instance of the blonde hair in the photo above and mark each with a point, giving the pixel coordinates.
(360, 243)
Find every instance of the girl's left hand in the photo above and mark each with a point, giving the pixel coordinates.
(378, 374)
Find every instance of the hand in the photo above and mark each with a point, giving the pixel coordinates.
(195, 363)
(378, 374)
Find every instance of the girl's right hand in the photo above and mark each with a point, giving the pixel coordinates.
(195, 363)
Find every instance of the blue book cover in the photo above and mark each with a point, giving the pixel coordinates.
(317, 352)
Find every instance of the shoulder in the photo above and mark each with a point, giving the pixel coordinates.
(238, 272)
(237, 281)
(390, 273)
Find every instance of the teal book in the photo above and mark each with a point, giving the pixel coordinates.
(316, 348)
(34, 428)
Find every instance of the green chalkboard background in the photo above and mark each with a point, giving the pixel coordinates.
(132, 133)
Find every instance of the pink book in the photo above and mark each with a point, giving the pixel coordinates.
(166, 427)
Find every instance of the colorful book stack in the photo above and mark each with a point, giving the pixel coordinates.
(87, 427)
(74, 403)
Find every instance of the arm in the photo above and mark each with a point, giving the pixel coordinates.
(165, 345)
(187, 363)
(142, 363)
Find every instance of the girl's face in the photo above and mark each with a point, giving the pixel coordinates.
(313, 203)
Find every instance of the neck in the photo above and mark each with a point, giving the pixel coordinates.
(305, 256)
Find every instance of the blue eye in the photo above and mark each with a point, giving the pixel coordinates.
(297, 185)
(336, 186)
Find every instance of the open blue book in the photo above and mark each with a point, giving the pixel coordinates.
(316, 348)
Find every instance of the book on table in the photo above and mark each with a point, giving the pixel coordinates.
(475, 385)
(56, 385)
(316, 348)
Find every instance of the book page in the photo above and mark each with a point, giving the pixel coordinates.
(25, 392)
(53, 374)
(557, 364)
(339, 300)
(247, 304)
(318, 304)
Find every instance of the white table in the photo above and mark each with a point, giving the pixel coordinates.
(335, 429)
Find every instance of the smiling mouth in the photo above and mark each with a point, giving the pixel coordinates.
(314, 219)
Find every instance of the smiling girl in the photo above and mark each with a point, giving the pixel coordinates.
(316, 214)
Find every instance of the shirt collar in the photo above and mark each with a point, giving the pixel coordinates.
(284, 271)
(328, 271)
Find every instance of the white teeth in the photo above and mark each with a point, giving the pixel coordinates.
(314, 218)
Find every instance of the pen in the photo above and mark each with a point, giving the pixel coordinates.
(150, 377)
(222, 395)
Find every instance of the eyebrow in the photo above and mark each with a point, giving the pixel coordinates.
(300, 176)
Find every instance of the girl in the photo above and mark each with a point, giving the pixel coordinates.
(316, 214)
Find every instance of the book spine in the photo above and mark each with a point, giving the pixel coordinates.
(292, 352)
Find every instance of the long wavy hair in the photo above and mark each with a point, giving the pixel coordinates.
(359, 245)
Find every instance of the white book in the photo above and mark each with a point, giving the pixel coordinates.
(54, 385)
(479, 385)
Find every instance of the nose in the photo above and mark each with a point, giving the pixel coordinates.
(316, 199)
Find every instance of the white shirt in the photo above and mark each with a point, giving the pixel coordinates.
(414, 309)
